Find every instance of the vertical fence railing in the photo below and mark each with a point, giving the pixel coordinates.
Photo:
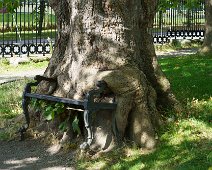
(180, 22)
(31, 28)
(23, 33)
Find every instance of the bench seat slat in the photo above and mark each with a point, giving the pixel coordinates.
(55, 99)
(95, 105)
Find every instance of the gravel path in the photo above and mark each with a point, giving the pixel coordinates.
(17, 76)
(33, 155)
(183, 52)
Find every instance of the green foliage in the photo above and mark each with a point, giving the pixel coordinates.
(188, 4)
(4, 61)
(51, 110)
(75, 125)
(64, 125)
(10, 5)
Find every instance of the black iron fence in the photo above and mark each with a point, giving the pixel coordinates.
(31, 28)
(181, 22)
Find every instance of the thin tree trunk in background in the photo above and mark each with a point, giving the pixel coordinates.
(207, 43)
(42, 15)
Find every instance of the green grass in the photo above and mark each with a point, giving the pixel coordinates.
(10, 93)
(11, 96)
(9, 36)
(5, 68)
(10, 107)
(178, 46)
(10, 99)
(190, 77)
(183, 146)
(185, 143)
(23, 18)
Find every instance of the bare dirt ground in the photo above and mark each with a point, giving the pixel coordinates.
(32, 155)
(17, 76)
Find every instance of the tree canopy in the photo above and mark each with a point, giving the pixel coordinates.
(10, 5)
(189, 4)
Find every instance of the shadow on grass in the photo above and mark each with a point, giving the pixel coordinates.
(183, 156)
(191, 82)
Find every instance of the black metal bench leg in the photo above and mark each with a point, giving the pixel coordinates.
(25, 103)
(87, 121)
(23, 129)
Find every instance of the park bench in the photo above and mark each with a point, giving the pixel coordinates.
(88, 105)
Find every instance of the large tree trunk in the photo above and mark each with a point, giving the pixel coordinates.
(109, 40)
(207, 43)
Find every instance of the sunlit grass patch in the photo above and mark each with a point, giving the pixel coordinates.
(10, 107)
(10, 99)
(177, 45)
(187, 130)
(6, 68)
(190, 76)
(200, 109)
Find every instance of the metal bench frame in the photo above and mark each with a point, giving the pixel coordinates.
(88, 105)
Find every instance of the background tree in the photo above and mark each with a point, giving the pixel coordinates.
(207, 43)
(41, 9)
(11, 6)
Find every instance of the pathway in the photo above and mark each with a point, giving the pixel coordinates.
(33, 155)
(21, 75)
(172, 53)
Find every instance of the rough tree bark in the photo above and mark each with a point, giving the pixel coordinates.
(207, 43)
(109, 40)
